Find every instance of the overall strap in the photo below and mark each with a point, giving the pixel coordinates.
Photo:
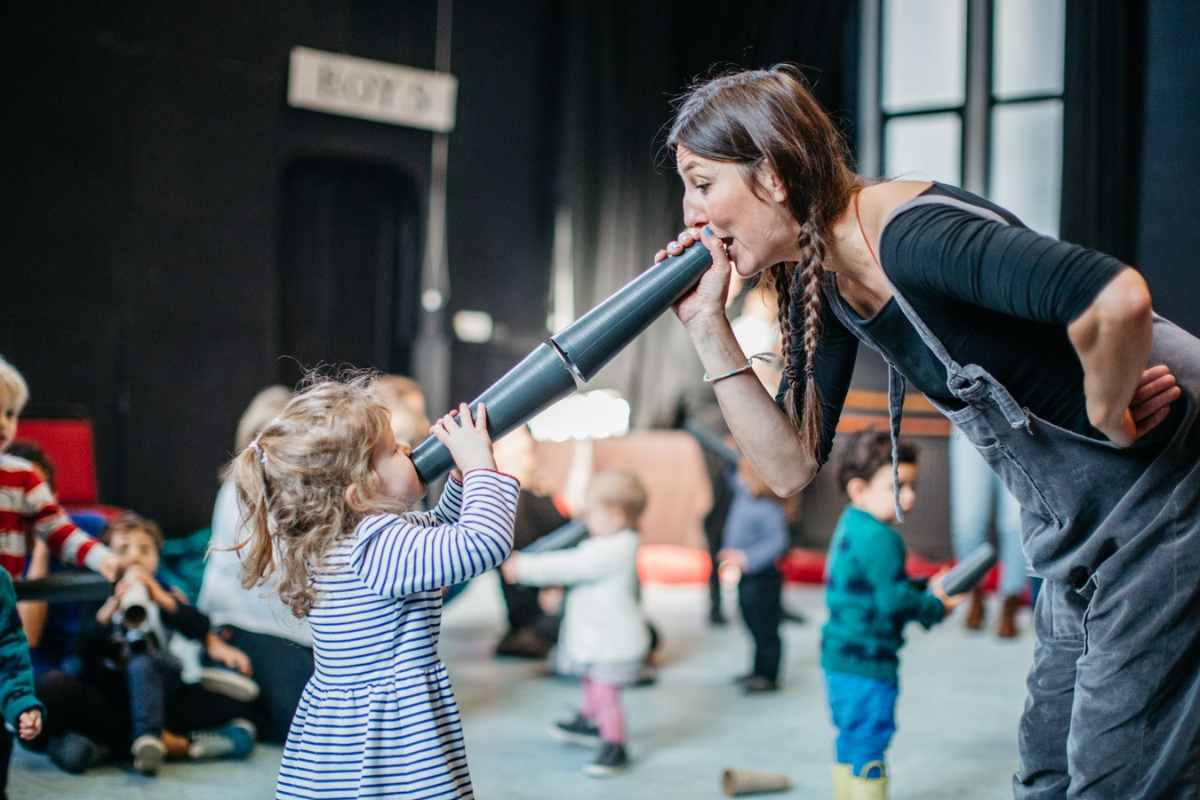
(897, 385)
(970, 383)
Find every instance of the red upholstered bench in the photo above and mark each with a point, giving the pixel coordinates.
(68, 443)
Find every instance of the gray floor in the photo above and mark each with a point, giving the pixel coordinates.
(961, 695)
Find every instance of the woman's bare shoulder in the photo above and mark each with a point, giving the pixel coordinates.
(883, 197)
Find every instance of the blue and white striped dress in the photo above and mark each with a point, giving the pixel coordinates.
(378, 717)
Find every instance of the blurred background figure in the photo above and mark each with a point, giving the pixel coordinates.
(532, 632)
(278, 645)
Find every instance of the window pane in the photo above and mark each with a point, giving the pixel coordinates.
(924, 54)
(928, 147)
(1026, 163)
(1029, 38)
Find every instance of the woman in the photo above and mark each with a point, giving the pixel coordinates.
(1037, 350)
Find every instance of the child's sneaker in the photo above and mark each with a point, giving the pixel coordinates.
(75, 752)
(234, 739)
(233, 685)
(612, 759)
(148, 753)
(581, 731)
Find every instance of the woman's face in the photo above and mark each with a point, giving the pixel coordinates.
(757, 228)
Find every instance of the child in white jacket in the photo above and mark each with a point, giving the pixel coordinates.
(603, 628)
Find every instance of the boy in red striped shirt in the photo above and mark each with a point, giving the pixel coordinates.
(27, 502)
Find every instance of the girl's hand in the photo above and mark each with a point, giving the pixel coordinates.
(707, 300)
(467, 439)
(1151, 402)
(30, 724)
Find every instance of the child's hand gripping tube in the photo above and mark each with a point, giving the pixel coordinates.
(547, 374)
(969, 571)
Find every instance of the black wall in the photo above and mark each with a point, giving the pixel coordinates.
(1168, 230)
(145, 153)
(149, 157)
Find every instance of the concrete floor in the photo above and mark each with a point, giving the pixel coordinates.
(961, 696)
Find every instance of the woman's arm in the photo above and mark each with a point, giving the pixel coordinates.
(762, 430)
(1112, 338)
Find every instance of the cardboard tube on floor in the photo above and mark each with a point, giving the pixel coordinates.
(752, 781)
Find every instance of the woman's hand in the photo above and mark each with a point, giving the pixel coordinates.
(707, 300)
(468, 441)
(1152, 401)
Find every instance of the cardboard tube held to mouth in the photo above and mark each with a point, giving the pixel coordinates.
(579, 350)
(753, 781)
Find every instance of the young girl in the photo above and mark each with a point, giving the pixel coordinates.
(326, 491)
(604, 630)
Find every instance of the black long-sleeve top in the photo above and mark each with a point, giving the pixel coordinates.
(996, 295)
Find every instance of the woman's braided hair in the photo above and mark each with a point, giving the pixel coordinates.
(769, 118)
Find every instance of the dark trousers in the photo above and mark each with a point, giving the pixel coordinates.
(714, 522)
(759, 598)
(282, 669)
(73, 706)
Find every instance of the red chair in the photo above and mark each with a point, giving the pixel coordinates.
(67, 441)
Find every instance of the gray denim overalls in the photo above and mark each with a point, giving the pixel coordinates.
(1114, 693)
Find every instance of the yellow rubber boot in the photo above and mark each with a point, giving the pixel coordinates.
(866, 787)
(841, 782)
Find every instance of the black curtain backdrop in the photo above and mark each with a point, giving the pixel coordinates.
(1104, 74)
(623, 63)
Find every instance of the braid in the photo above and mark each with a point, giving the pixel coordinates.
(809, 275)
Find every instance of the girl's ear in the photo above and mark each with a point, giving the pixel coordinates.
(354, 498)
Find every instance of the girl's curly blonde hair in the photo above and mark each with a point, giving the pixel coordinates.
(307, 480)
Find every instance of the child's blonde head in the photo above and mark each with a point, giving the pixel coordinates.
(262, 409)
(307, 480)
(12, 385)
(621, 490)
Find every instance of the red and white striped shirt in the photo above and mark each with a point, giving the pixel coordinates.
(26, 500)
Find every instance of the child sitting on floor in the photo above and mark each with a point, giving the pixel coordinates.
(604, 631)
(871, 599)
(131, 694)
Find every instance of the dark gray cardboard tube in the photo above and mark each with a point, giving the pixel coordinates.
(65, 587)
(595, 338)
(564, 536)
(969, 571)
(539, 381)
(545, 376)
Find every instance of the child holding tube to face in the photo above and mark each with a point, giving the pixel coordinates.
(327, 492)
(871, 599)
(604, 630)
(130, 694)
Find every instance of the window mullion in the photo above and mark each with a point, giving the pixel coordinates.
(977, 114)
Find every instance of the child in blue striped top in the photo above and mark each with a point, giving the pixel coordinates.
(326, 491)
